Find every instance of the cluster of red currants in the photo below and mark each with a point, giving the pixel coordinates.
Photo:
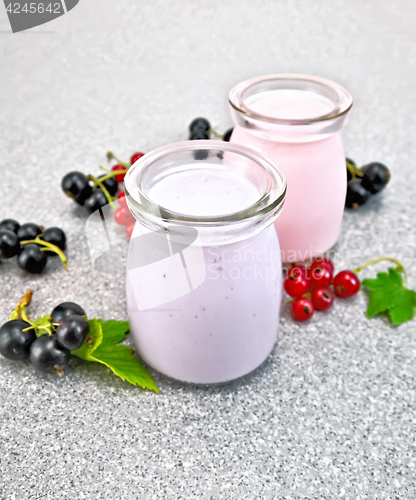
(310, 287)
(123, 216)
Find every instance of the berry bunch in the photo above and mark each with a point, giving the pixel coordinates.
(200, 128)
(123, 216)
(364, 182)
(48, 341)
(31, 244)
(310, 287)
(94, 193)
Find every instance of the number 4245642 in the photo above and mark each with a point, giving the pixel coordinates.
(33, 8)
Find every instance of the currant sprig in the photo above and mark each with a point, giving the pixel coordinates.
(19, 312)
(46, 246)
(314, 289)
(399, 266)
(112, 156)
(50, 341)
(94, 192)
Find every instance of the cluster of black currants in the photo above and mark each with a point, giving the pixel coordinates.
(200, 129)
(48, 352)
(94, 193)
(31, 244)
(363, 182)
(78, 186)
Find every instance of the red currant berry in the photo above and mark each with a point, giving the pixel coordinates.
(119, 177)
(322, 298)
(122, 199)
(320, 276)
(297, 271)
(323, 261)
(346, 284)
(135, 157)
(296, 285)
(129, 230)
(302, 309)
(123, 217)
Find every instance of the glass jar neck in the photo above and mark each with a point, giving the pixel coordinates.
(225, 192)
(290, 108)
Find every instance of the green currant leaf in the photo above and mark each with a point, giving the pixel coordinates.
(120, 359)
(114, 331)
(387, 293)
(106, 350)
(94, 339)
(42, 325)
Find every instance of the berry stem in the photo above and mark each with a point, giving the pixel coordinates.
(354, 171)
(109, 175)
(399, 265)
(215, 133)
(105, 169)
(45, 245)
(21, 306)
(100, 183)
(24, 315)
(112, 156)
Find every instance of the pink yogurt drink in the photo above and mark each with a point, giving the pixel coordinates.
(295, 121)
(204, 275)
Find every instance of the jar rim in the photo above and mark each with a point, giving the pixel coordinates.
(270, 201)
(236, 97)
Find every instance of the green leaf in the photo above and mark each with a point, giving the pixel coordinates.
(115, 331)
(387, 293)
(106, 350)
(42, 325)
(120, 359)
(96, 336)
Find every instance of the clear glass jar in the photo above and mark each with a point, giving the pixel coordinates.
(204, 276)
(295, 121)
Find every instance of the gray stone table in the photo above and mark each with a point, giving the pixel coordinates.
(333, 412)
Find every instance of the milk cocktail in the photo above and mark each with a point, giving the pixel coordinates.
(219, 292)
(295, 121)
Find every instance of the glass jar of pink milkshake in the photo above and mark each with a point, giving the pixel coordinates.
(296, 121)
(204, 272)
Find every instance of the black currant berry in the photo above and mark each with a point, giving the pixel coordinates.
(376, 176)
(32, 259)
(110, 184)
(65, 309)
(28, 231)
(46, 354)
(14, 341)
(199, 124)
(198, 136)
(55, 236)
(76, 185)
(10, 224)
(72, 331)
(357, 195)
(9, 244)
(96, 201)
(227, 135)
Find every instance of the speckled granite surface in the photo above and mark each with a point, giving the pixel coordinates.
(332, 414)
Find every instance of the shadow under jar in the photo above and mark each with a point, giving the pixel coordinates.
(295, 121)
(204, 273)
